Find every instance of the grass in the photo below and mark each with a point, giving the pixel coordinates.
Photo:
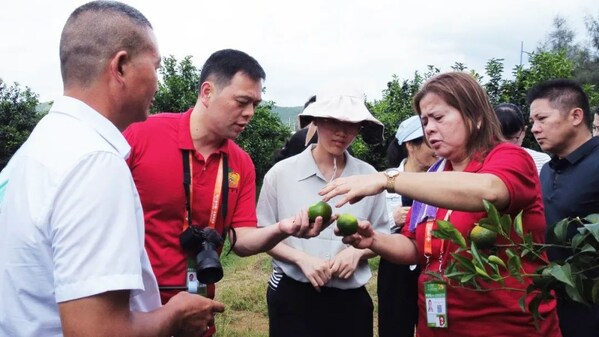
(243, 291)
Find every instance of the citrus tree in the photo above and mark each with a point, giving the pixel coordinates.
(480, 259)
(178, 91)
(18, 117)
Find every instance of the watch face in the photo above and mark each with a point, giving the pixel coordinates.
(392, 172)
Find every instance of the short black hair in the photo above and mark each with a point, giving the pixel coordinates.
(222, 66)
(510, 118)
(563, 94)
(94, 32)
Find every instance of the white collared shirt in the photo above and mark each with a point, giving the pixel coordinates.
(293, 184)
(71, 224)
(394, 200)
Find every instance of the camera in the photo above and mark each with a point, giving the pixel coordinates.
(203, 243)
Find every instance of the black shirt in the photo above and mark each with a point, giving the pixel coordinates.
(570, 188)
(570, 185)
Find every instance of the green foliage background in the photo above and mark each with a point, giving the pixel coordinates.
(556, 57)
(18, 116)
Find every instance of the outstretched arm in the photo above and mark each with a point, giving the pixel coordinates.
(452, 190)
(393, 247)
(252, 240)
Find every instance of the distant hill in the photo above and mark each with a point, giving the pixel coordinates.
(288, 115)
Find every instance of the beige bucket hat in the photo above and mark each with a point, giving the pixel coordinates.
(346, 104)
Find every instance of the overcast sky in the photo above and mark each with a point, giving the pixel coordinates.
(304, 44)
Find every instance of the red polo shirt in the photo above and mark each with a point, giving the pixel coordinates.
(157, 167)
(495, 312)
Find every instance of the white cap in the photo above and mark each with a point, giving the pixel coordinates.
(409, 129)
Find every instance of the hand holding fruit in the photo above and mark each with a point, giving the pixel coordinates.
(310, 223)
(363, 238)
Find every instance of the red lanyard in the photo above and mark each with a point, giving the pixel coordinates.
(216, 198)
(428, 240)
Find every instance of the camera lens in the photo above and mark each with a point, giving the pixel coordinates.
(209, 269)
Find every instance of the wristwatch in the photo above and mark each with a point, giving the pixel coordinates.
(391, 174)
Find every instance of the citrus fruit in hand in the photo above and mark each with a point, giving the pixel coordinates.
(347, 224)
(483, 238)
(322, 209)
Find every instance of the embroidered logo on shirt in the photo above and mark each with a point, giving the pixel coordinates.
(233, 179)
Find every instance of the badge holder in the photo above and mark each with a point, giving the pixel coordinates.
(435, 298)
(435, 292)
(191, 281)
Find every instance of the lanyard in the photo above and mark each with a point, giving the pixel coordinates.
(428, 240)
(221, 189)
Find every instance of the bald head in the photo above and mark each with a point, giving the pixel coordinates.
(94, 33)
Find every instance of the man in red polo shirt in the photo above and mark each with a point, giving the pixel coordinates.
(187, 163)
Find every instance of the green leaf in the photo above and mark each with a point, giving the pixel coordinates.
(592, 218)
(464, 262)
(562, 274)
(588, 249)
(533, 307)
(478, 259)
(518, 224)
(514, 264)
(594, 229)
(527, 239)
(496, 260)
(575, 295)
(482, 272)
(579, 239)
(493, 215)
(451, 233)
(506, 224)
(561, 230)
(522, 302)
(455, 274)
(467, 278)
(435, 275)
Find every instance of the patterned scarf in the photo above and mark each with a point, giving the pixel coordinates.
(421, 211)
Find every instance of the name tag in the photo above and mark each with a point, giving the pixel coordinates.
(193, 285)
(435, 300)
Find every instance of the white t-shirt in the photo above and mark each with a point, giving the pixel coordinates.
(540, 158)
(393, 199)
(71, 224)
(293, 184)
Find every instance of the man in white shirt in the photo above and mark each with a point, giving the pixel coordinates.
(71, 225)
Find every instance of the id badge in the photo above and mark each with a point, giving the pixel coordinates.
(435, 300)
(191, 281)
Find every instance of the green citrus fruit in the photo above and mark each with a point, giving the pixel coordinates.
(482, 237)
(322, 209)
(347, 224)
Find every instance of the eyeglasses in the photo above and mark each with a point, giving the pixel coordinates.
(335, 124)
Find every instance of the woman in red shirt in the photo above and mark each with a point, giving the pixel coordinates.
(460, 125)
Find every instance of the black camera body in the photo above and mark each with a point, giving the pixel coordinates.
(203, 244)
